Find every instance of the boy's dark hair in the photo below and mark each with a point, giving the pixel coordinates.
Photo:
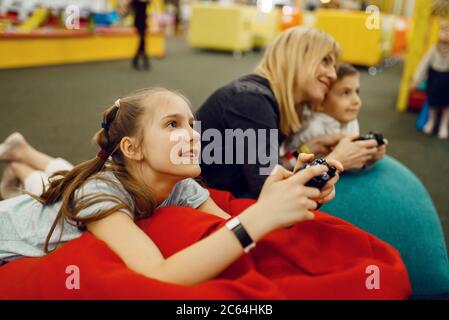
(345, 70)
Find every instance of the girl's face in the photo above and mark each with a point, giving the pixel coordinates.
(171, 146)
(343, 102)
(318, 86)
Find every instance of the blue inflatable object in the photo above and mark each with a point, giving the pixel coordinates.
(423, 116)
(105, 19)
(390, 202)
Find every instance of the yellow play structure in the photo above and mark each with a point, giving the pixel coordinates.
(34, 46)
(423, 35)
(75, 47)
(231, 27)
(361, 46)
(35, 20)
(220, 27)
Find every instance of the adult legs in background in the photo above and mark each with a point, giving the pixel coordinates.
(437, 85)
(140, 23)
(141, 52)
(430, 124)
(444, 124)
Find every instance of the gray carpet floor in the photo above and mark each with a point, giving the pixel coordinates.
(58, 108)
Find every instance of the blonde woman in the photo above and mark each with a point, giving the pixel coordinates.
(297, 69)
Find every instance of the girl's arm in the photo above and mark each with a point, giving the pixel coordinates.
(284, 201)
(141, 254)
(209, 206)
(421, 72)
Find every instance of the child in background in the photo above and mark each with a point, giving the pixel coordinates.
(435, 68)
(339, 111)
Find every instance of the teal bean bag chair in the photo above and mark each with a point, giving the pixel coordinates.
(390, 202)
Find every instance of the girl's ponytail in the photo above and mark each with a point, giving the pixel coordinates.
(63, 184)
(122, 119)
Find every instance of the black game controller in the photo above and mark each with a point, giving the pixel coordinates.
(319, 181)
(373, 136)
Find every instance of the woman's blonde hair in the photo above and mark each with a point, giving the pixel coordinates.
(295, 52)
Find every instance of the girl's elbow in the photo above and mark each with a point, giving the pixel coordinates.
(162, 275)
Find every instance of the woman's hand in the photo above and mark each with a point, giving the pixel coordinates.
(284, 200)
(354, 154)
(328, 192)
(381, 151)
(324, 144)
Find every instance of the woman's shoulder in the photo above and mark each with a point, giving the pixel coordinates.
(254, 87)
(248, 97)
(249, 84)
(252, 83)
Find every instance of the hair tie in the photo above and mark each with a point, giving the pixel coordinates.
(103, 155)
(105, 126)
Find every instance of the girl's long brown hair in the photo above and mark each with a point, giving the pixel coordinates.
(120, 121)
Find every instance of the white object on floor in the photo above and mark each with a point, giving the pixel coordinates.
(38, 180)
(9, 143)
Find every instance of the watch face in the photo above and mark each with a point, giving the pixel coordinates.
(240, 232)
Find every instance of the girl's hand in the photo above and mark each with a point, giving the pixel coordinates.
(284, 200)
(328, 192)
(354, 154)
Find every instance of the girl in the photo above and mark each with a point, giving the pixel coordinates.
(141, 166)
(336, 115)
(435, 68)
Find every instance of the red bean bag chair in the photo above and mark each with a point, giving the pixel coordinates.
(326, 258)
